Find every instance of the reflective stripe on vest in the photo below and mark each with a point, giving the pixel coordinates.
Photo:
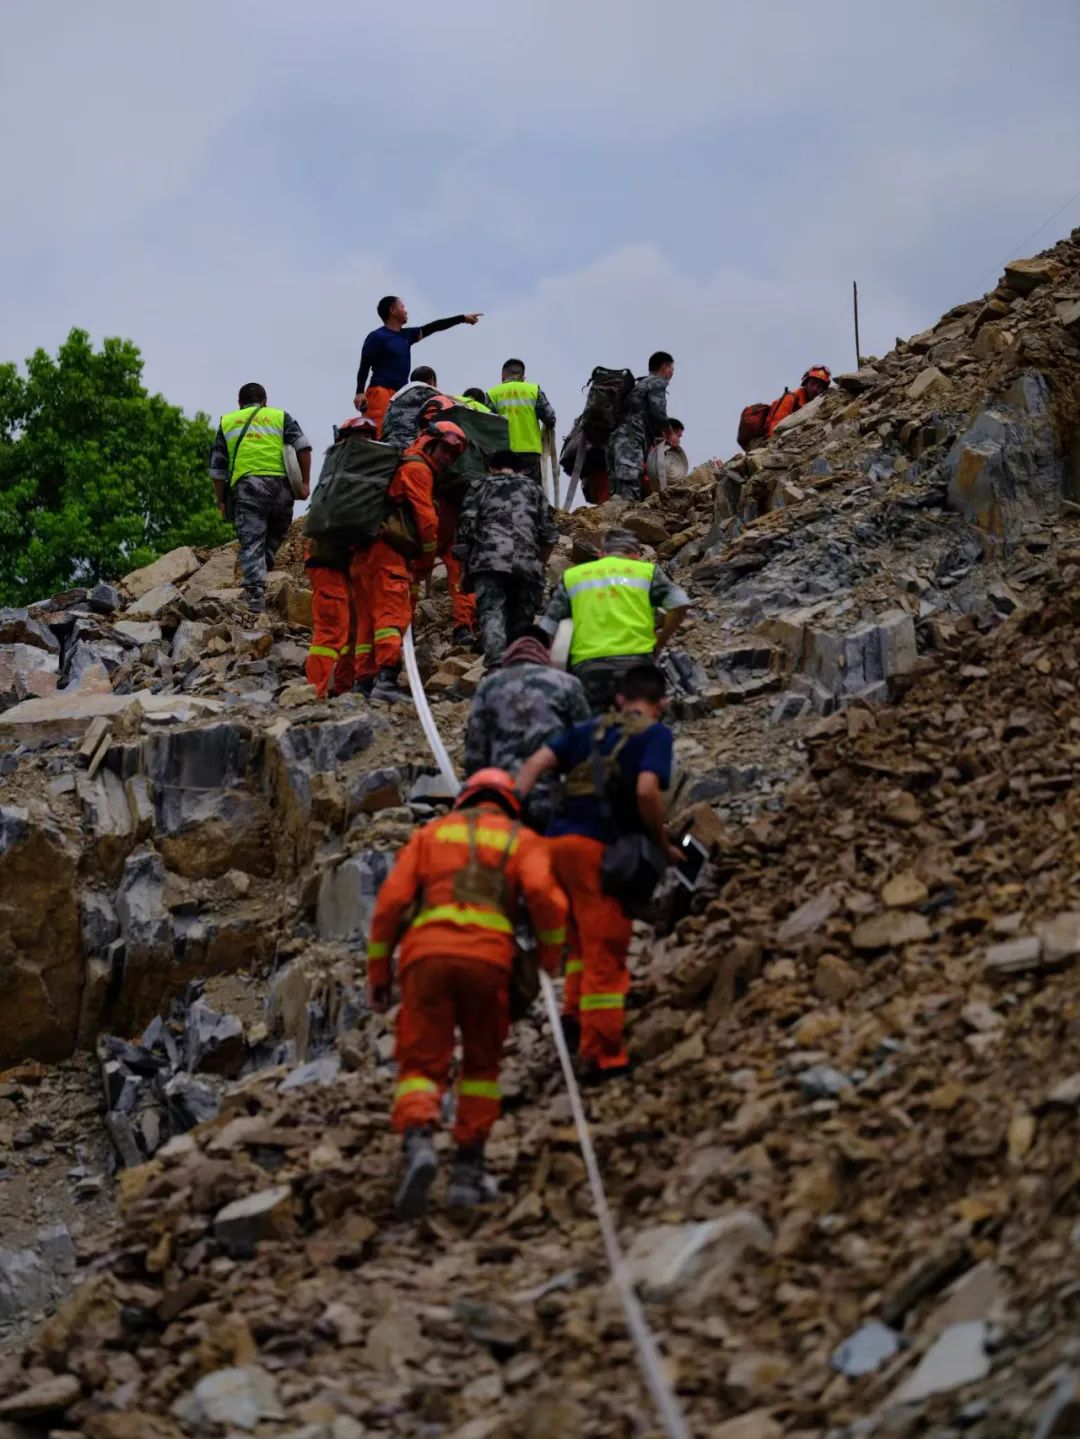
(455, 833)
(464, 914)
(516, 402)
(610, 607)
(262, 450)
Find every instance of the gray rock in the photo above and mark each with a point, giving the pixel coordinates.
(140, 902)
(154, 601)
(104, 599)
(821, 1081)
(694, 1261)
(19, 627)
(316, 1071)
(100, 924)
(242, 1398)
(1006, 471)
(170, 569)
(140, 632)
(215, 1042)
(246, 1222)
(957, 1358)
(347, 894)
(866, 1350)
(27, 672)
(789, 706)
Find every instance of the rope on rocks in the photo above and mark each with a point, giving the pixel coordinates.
(652, 1366)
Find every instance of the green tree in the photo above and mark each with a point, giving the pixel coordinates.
(97, 476)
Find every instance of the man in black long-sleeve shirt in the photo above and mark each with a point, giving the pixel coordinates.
(387, 355)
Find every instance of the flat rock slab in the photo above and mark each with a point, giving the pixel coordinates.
(170, 569)
(66, 716)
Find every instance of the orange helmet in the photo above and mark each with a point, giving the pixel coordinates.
(358, 422)
(437, 405)
(490, 784)
(451, 434)
(818, 372)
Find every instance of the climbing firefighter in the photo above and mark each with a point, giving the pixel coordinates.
(448, 502)
(385, 572)
(814, 383)
(616, 769)
(453, 901)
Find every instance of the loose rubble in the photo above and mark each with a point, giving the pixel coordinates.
(844, 1174)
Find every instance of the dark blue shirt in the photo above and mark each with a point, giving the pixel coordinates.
(649, 752)
(387, 355)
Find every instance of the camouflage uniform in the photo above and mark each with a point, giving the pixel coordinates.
(505, 523)
(402, 423)
(515, 711)
(643, 419)
(262, 511)
(602, 677)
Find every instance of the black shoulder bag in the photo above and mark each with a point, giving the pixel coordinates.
(633, 864)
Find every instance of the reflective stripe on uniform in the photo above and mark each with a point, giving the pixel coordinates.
(551, 936)
(362, 649)
(385, 634)
(416, 1085)
(378, 949)
(603, 1001)
(632, 582)
(575, 966)
(457, 833)
(479, 1089)
(325, 650)
(464, 914)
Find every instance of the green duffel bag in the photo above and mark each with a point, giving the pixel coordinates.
(349, 503)
(486, 433)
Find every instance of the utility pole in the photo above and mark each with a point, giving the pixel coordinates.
(858, 347)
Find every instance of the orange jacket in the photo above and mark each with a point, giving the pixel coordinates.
(416, 903)
(413, 486)
(787, 404)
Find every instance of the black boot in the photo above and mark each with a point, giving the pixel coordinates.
(420, 1167)
(571, 1028)
(470, 1184)
(386, 687)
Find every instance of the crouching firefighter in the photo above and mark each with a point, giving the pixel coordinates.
(452, 899)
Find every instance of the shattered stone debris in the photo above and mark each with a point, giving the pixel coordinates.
(844, 1171)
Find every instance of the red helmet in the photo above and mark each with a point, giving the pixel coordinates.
(451, 434)
(493, 784)
(818, 372)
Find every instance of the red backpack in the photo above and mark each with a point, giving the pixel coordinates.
(753, 424)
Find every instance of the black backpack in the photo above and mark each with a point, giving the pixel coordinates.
(604, 404)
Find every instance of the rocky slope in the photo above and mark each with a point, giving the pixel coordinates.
(844, 1173)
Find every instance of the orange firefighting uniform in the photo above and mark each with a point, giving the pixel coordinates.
(383, 572)
(333, 620)
(464, 606)
(787, 404)
(597, 978)
(455, 961)
(378, 402)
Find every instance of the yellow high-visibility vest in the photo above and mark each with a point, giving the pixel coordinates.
(610, 607)
(516, 401)
(262, 450)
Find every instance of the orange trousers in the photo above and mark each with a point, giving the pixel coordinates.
(439, 995)
(597, 979)
(384, 596)
(333, 624)
(464, 606)
(378, 402)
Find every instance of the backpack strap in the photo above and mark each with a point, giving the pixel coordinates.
(240, 441)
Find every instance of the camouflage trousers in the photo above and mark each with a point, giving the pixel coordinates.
(603, 678)
(264, 511)
(626, 464)
(505, 605)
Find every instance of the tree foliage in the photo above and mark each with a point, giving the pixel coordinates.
(97, 476)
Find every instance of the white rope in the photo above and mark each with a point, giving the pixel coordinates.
(652, 1366)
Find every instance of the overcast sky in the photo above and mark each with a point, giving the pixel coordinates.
(233, 185)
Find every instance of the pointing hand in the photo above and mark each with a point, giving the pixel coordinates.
(472, 319)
